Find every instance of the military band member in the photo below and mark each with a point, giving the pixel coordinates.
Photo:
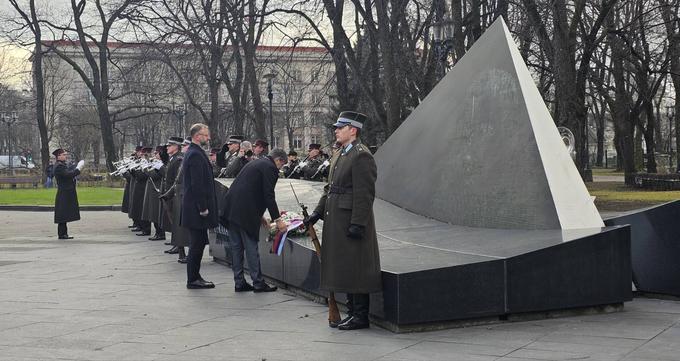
(66, 207)
(260, 149)
(151, 209)
(313, 170)
(351, 262)
(292, 164)
(138, 192)
(129, 183)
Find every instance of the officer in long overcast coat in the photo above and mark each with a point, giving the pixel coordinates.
(66, 207)
(349, 250)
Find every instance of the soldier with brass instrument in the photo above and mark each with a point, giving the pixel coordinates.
(151, 208)
(137, 195)
(351, 261)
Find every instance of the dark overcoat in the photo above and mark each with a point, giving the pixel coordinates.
(151, 208)
(138, 191)
(350, 265)
(249, 195)
(199, 190)
(171, 170)
(66, 207)
(234, 166)
(131, 201)
(180, 235)
(125, 206)
(311, 169)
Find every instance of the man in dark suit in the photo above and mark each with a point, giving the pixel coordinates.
(249, 195)
(199, 206)
(66, 203)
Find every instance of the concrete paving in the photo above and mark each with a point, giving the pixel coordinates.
(109, 295)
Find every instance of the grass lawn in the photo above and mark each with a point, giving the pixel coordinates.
(614, 196)
(87, 196)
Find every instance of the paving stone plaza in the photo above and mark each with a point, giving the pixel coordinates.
(110, 295)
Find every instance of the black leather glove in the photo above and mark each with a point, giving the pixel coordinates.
(355, 231)
(311, 219)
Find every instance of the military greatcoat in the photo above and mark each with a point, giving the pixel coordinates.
(350, 265)
(151, 205)
(66, 207)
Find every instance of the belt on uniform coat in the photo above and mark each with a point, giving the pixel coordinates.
(339, 190)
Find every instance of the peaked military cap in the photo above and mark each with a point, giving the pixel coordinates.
(235, 139)
(58, 152)
(314, 146)
(187, 141)
(351, 118)
(175, 140)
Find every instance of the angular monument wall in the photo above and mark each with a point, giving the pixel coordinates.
(482, 150)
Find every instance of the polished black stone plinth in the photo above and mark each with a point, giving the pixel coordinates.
(655, 247)
(436, 272)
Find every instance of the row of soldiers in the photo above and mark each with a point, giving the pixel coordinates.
(153, 193)
(236, 153)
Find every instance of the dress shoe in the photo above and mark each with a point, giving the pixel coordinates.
(182, 260)
(354, 323)
(135, 229)
(173, 250)
(200, 284)
(132, 226)
(65, 237)
(335, 324)
(144, 234)
(265, 288)
(157, 237)
(246, 287)
(167, 243)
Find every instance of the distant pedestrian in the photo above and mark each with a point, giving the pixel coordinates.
(50, 175)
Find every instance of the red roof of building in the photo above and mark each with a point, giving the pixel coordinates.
(116, 45)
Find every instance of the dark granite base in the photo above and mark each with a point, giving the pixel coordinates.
(435, 272)
(655, 247)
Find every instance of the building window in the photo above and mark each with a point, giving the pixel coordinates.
(297, 142)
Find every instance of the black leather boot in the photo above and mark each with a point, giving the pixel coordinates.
(360, 318)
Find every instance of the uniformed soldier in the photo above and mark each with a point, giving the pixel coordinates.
(174, 194)
(351, 261)
(229, 151)
(66, 207)
(137, 200)
(314, 169)
(245, 154)
(151, 207)
(292, 164)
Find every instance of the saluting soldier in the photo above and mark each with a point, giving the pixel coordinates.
(229, 155)
(66, 207)
(245, 154)
(351, 262)
(129, 184)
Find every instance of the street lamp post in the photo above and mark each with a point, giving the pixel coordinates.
(270, 76)
(180, 110)
(9, 119)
